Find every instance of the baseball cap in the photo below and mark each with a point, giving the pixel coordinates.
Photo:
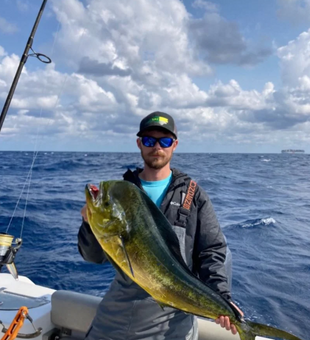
(160, 120)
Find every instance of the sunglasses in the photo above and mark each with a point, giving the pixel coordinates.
(164, 142)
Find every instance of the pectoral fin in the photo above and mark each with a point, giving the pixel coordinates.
(126, 255)
(161, 305)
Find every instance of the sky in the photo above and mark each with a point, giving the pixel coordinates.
(235, 75)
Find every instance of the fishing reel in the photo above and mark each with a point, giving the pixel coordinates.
(8, 252)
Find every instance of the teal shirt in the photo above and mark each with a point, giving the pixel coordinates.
(156, 190)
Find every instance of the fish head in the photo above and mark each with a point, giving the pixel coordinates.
(106, 208)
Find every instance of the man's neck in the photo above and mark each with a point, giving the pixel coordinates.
(151, 175)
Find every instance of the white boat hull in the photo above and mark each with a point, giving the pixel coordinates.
(70, 311)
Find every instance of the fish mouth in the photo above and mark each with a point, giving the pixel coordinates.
(93, 192)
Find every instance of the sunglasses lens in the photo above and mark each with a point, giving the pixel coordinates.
(165, 142)
(148, 141)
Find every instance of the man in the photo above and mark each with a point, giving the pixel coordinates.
(127, 311)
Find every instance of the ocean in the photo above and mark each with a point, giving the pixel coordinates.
(262, 202)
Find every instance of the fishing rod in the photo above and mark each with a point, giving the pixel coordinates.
(42, 57)
(7, 249)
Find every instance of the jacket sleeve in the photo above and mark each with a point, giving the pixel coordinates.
(211, 248)
(88, 245)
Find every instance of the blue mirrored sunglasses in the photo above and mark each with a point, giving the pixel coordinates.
(164, 142)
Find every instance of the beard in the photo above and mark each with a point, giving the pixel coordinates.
(158, 162)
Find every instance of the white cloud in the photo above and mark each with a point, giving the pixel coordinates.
(8, 67)
(2, 52)
(121, 32)
(292, 103)
(232, 96)
(295, 59)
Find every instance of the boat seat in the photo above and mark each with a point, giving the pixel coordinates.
(72, 313)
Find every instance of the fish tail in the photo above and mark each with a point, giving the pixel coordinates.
(249, 330)
(246, 336)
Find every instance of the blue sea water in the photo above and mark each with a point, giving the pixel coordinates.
(262, 202)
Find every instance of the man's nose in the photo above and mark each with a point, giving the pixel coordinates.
(157, 145)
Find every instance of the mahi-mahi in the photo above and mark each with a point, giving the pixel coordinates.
(140, 241)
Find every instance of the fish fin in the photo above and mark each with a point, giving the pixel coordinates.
(255, 329)
(126, 255)
(161, 305)
(116, 267)
(246, 336)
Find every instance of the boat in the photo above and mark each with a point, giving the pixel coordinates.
(60, 314)
(292, 151)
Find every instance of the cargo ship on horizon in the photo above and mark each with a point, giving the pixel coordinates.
(292, 151)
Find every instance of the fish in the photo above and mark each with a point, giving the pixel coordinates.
(139, 240)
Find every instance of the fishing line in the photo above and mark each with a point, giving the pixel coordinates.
(35, 153)
(17, 203)
(36, 148)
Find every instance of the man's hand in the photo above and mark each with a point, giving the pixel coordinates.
(84, 213)
(224, 321)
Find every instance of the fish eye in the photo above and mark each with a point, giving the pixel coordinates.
(106, 203)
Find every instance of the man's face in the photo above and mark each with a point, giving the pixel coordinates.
(156, 157)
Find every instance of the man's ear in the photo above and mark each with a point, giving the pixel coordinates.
(139, 143)
(176, 142)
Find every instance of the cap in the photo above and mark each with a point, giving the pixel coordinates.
(158, 120)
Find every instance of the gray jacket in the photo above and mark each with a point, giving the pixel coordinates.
(127, 311)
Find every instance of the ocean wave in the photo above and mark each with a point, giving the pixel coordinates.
(259, 222)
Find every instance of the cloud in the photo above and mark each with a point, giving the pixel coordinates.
(289, 106)
(88, 66)
(2, 52)
(279, 119)
(144, 34)
(232, 96)
(8, 66)
(219, 41)
(68, 105)
(294, 11)
(7, 27)
(295, 59)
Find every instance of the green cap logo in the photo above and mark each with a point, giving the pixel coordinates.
(160, 120)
